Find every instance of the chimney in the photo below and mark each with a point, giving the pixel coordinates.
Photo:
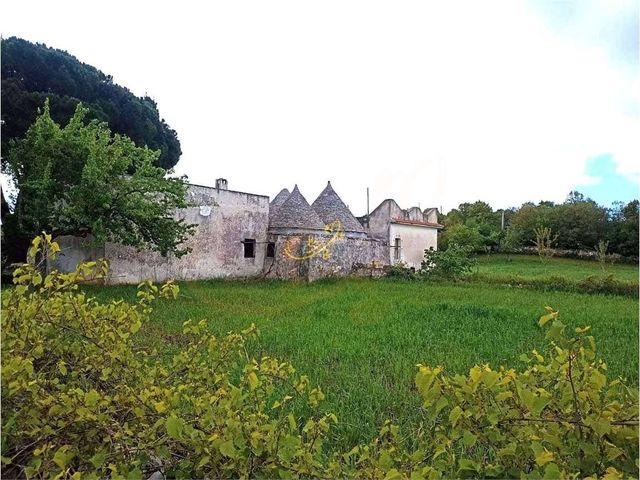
(221, 184)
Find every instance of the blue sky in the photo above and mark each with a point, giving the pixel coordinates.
(607, 185)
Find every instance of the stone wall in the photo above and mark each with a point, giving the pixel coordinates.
(348, 256)
(224, 218)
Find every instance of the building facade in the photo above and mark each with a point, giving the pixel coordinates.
(243, 235)
(408, 233)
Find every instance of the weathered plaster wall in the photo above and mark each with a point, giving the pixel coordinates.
(414, 241)
(346, 257)
(381, 217)
(431, 215)
(74, 250)
(224, 218)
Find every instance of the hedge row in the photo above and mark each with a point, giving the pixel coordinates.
(593, 284)
(576, 254)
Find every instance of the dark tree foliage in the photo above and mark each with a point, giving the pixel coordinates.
(579, 223)
(81, 180)
(624, 230)
(33, 72)
(475, 225)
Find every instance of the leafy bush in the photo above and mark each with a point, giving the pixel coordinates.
(402, 271)
(78, 397)
(557, 418)
(577, 254)
(452, 263)
(608, 285)
(465, 235)
(81, 401)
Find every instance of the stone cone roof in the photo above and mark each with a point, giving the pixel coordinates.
(295, 212)
(280, 198)
(330, 207)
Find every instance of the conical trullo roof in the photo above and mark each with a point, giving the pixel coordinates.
(330, 207)
(280, 198)
(295, 212)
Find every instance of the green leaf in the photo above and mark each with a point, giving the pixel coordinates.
(545, 318)
(63, 456)
(292, 422)
(601, 426)
(135, 325)
(551, 472)
(508, 451)
(98, 459)
(544, 457)
(539, 404)
(466, 464)
(174, 426)
(441, 403)
(468, 438)
(228, 449)
(490, 378)
(556, 331)
(253, 380)
(91, 398)
(393, 474)
(504, 395)
(454, 415)
(385, 461)
(290, 445)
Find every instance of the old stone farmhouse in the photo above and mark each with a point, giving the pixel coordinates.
(245, 235)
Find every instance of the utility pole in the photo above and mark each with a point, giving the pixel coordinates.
(367, 207)
(502, 228)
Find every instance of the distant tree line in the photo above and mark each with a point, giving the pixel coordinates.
(579, 223)
(33, 72)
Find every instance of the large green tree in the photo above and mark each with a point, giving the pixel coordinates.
(475, 225)
(624, 230)
(580, 223)
(82, 180)
(530, 217)
(32, 72)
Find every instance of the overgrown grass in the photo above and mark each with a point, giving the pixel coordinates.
(530, 266)
(360, 339)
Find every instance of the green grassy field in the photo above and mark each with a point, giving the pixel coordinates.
(530, 266)
(360, 339)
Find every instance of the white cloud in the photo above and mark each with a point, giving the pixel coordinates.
(431, 103)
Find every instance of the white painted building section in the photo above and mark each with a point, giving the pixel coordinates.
(408, 243)
(409, 232)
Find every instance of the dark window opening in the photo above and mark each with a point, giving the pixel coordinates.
(249, 248)
(271, 250)
(396, 253)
